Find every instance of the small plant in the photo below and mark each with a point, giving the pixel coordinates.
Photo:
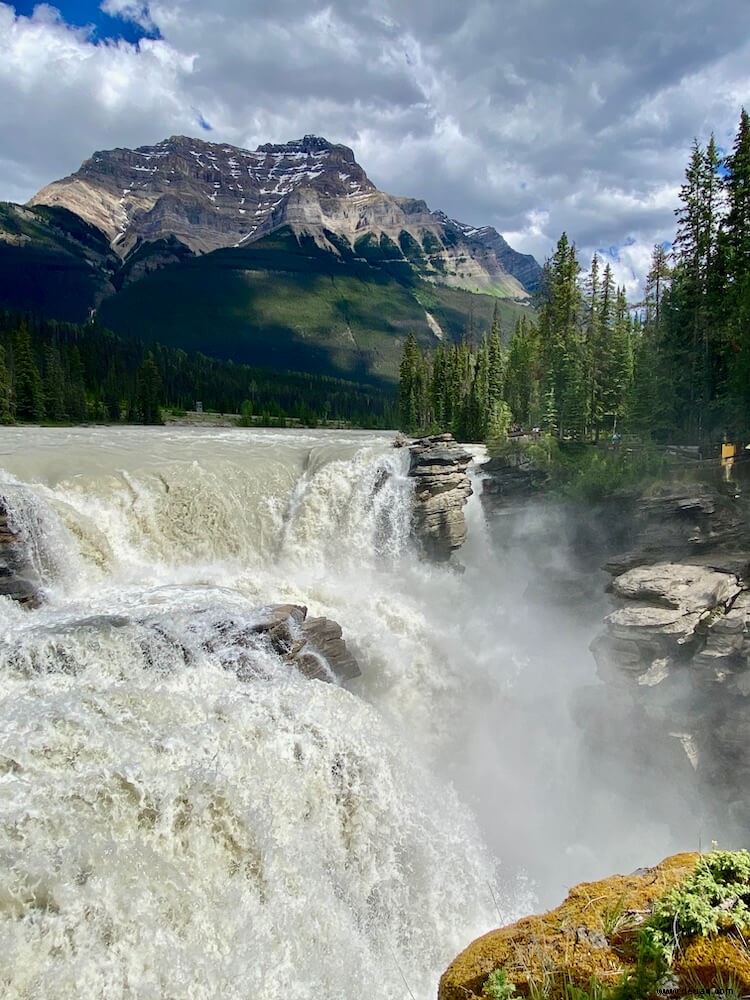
(596, 990)
(614, 918)
(715, 897)
(499, 987)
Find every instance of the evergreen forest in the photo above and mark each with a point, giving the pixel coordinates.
(52, 372)
(673, 367)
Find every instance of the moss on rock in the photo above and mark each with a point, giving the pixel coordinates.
(593, 936)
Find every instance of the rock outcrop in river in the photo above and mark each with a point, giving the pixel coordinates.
(18, 578)
(438, 465)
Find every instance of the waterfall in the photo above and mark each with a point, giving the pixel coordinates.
(168, 829)
(183, 814)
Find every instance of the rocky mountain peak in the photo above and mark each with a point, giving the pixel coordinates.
(208, 196)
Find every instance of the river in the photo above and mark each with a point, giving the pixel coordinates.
(171, 831)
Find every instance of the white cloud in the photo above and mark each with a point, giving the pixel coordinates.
(535, 117)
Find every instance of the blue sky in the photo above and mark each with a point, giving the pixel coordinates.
(88, 14)
(533, 116)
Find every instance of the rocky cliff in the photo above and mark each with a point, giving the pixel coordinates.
(675, 652)
(210, 196)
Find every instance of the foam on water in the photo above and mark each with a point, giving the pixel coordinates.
(168, 830)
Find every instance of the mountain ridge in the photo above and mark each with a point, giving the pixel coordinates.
(287, 256)
(213, 196)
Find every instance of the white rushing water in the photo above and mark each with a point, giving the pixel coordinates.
(170, 831)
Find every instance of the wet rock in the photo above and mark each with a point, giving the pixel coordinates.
(323, 638)
(18, 578)
(677, 649)
(315, 646)
(438, 465)
(510, 477)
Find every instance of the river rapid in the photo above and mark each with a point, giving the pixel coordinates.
(170, 831)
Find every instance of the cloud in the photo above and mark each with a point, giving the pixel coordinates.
(534, 117)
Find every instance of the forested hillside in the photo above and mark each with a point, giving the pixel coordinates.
(675, 366)
(63, 372)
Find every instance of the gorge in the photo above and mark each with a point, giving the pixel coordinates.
(173, 784)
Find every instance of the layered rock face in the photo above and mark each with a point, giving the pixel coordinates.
(676, 651)
(438, 465)
(210, 196)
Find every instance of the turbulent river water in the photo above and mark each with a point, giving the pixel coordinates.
(170, 831)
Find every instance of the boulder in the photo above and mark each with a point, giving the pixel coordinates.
(19, 579)
(676, 585)
(438, 466)
(314, 646)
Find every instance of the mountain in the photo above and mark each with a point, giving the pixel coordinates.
(286, 255)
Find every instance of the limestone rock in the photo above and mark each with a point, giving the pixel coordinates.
(510, 477)
(676, 652)
(323, 640)
(675, 585)
(438, 465)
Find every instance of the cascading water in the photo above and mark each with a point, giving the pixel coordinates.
(171, 830)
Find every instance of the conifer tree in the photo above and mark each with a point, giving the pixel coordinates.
(495, 372)
(149, 391)
(657, 284)
(27, 382)
(736, 260)
(522, 373)
(561, 345)
(54, 385)
(76, 403)
(408, 405)
(6, 410)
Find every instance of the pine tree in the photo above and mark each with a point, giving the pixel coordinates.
(561, 345)
(408, 385)
(522, 374)
(495, 373)
(735, 245)
(149, 391)
(54, 385)
(6, 411)
(76, 403)
(657, 283)
(695, 250)
(27, 382)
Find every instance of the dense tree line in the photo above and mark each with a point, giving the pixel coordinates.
(676, 366)
(568, 372)
(459, 387)
(695, 345)
(62, 372)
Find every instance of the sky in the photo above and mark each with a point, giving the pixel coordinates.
(533, 116)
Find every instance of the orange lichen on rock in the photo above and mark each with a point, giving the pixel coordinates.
(590, 935)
